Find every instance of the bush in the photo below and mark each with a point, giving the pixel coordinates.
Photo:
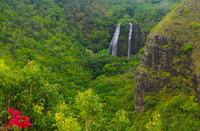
(150, 101)
(110, 69)
(187, 48)
(29, 91)
(186, 12)
(195, 26)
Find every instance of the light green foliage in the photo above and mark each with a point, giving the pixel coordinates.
(195, 26)
(64, 120)
(120, 121)
(3, 67)
(187, 48)
(186, 12)
(66, 123)
(90, 109)
(155, 124)
(168, 45)
(185, 112)
(38, 109)
(176, 110)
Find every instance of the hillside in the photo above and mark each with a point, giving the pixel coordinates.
(56, 71)
(167, 83)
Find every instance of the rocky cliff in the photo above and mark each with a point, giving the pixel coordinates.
(171, 58)
(137, 40)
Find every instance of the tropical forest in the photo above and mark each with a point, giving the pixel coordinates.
(99, 65)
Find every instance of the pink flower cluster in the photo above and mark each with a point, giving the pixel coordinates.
(20, 121)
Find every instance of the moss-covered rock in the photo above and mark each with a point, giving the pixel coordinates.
(173, 47)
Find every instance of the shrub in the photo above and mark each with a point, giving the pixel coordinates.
(26, 89)
(110, 69)
(150, 101)
(186, 12)
(17, 121)
(195, 26)
(187, 48)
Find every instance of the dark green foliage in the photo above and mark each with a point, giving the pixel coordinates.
(115, 66)
(155, 1)
(150, 101)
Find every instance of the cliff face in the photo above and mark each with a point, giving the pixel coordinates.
(171, 58)
(137, 40)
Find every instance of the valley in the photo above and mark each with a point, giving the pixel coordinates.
(110, 65)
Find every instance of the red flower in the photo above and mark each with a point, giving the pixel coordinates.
(19, 117)
(12, 122)
(10, 110)
(27, 124)
(15, 113)
(26, 118)
(6, 126)
(20, 121)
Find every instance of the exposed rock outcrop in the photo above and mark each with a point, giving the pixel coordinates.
(155, 57)
(167, 57)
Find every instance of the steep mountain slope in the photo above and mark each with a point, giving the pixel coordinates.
(168, 77)
(52, 51)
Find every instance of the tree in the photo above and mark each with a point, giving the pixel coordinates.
(65, 120)
(155, 124)
(120, 121)
(90, 108)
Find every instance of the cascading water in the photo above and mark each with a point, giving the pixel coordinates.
(129, 39)
(113, 43)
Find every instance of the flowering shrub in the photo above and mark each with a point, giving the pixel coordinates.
(30, 89)
(17, 119)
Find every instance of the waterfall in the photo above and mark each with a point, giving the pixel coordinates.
(113, 43)
(129, 39)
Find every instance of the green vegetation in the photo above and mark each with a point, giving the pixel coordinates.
(174, 107)
(171, 110)
(187, 48)
(55, 69)
(28, 90)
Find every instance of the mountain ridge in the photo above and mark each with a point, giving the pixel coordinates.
(167, 54)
